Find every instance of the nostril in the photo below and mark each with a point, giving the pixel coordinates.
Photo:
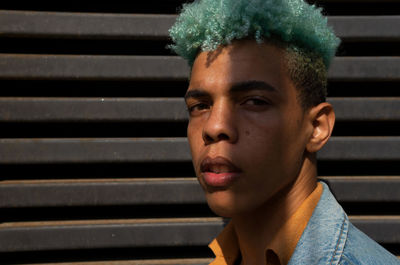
(208, 139)
(223, 136)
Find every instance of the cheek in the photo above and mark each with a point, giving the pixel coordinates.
(268, 145)
(194, 135)
(261, 143)
(261, 132)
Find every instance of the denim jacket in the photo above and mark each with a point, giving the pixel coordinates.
(330, 238)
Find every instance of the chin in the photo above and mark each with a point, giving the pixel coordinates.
(222, 204)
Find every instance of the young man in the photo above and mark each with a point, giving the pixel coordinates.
(258, 116)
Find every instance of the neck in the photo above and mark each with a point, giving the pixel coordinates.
(256, 229)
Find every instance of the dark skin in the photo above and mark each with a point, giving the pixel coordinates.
(244, 108)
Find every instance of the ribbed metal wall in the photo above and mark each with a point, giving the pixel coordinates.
(94, 163)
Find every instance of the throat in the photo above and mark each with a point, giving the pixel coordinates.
(261, 229)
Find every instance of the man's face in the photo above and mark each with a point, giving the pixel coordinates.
(247, 129)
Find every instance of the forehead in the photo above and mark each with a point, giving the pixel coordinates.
(241, 61)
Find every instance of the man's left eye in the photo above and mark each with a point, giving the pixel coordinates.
(255, 101)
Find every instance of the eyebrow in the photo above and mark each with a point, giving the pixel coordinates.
(196, 93)
(235, 88)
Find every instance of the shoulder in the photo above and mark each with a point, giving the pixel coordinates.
(330, 238)
(360, 249)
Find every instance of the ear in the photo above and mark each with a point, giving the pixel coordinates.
(322, 118)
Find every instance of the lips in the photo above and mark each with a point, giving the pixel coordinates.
(219, 171)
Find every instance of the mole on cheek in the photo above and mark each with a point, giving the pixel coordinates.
(247, 132)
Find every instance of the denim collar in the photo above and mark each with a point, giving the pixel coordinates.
(323, 240)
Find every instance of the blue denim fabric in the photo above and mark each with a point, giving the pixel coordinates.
(330, 238)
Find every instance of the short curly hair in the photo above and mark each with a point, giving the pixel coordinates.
(203, 25)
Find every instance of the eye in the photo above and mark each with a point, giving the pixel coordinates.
(256, 102)
(197, 107)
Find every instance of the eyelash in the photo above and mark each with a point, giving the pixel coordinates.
(192, 108)
(256, 101)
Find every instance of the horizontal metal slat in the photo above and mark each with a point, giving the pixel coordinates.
(89, 67)
(95, 193)
(361, 148)
(114, 150)
(101, 67)
(190, 232)
(194, 261)
(84, 25)
(89, 150)
(365, 188)
(366, 28)
(166, 191)
(354, 1)
(366, 109)
(139, 26)
(365, 69)
(93, 109)
(383, 229)
(162, 109)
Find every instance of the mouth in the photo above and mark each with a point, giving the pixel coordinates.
(219, 171)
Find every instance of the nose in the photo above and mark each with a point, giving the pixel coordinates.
(220, 124)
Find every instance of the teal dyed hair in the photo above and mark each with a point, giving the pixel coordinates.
(205, 24)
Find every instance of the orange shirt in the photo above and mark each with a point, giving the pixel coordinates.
(226, 247)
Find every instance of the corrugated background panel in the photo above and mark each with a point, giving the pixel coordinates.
(95, 166)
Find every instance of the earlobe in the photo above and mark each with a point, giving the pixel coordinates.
(322, 118)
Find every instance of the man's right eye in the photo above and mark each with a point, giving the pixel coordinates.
(197, 107)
